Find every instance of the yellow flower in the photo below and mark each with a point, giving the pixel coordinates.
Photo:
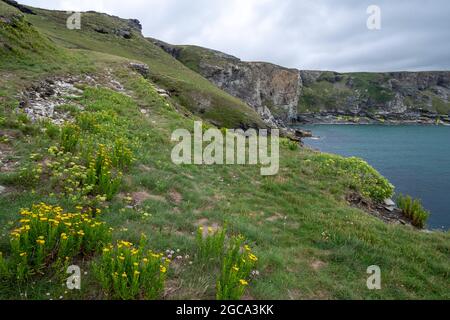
(23, 254)
(136, 273)
(145, 260)
(40, 242)
(124, 275)
(247, 248)
(121, 258)
(253, 257)
(106, 250)
(125, 244)
(136, 264)
(163, 269)
(64, 236)
(235, 268)
(243, 282)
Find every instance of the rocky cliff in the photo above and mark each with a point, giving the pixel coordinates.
(283, 96)
(416, 97)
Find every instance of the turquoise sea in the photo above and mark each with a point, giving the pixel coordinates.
(415, 158)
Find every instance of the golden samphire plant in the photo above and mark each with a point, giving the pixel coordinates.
(238, 264)
(46, 237)
(128, 272)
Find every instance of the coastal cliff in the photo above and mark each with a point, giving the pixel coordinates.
(284, 96)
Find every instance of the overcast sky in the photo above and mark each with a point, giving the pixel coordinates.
(303, 34)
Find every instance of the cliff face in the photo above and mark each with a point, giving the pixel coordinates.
(420, 97)
(271, 90)
(283, 96)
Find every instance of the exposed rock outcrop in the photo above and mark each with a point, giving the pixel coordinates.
(396, 97)
(19, 6)
(283, 96)
(273, 91)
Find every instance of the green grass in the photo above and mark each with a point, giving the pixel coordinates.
(310, 243)
(413, 209)
(440, 106)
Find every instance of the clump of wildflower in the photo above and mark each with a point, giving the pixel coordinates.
(47, 236)
(143, 273)
(237, 267)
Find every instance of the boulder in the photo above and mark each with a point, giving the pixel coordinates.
(140, 68)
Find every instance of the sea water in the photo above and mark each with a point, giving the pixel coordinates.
(415, 158)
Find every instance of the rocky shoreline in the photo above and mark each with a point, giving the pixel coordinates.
(334, 118)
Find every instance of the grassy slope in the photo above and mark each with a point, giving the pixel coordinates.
(191, 56)
(311, 244)
(189, 88)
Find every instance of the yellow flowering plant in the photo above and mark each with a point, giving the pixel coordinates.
(47, 236)
(237, 265)
(127, 272)
(101, 173)
(210, 244)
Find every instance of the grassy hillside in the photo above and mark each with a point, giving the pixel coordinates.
(111, 166)
(188, 88)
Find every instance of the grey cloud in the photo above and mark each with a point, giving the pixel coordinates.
(305, 34)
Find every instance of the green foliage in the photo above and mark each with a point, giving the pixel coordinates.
(52, 130)
(101, 174)
(413, 209)
(360, 175)
(210, 245)
(127, 273)
(48, 237)
(291, 145)
(122, 156)
(236, 268)
(70, 135)
(371, 85)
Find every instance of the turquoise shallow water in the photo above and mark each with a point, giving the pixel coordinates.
(416, 159)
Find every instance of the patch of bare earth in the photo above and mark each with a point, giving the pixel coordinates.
(8, 161)
(294, 294)
(275, 217)
(175, 197)
(316, 265)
